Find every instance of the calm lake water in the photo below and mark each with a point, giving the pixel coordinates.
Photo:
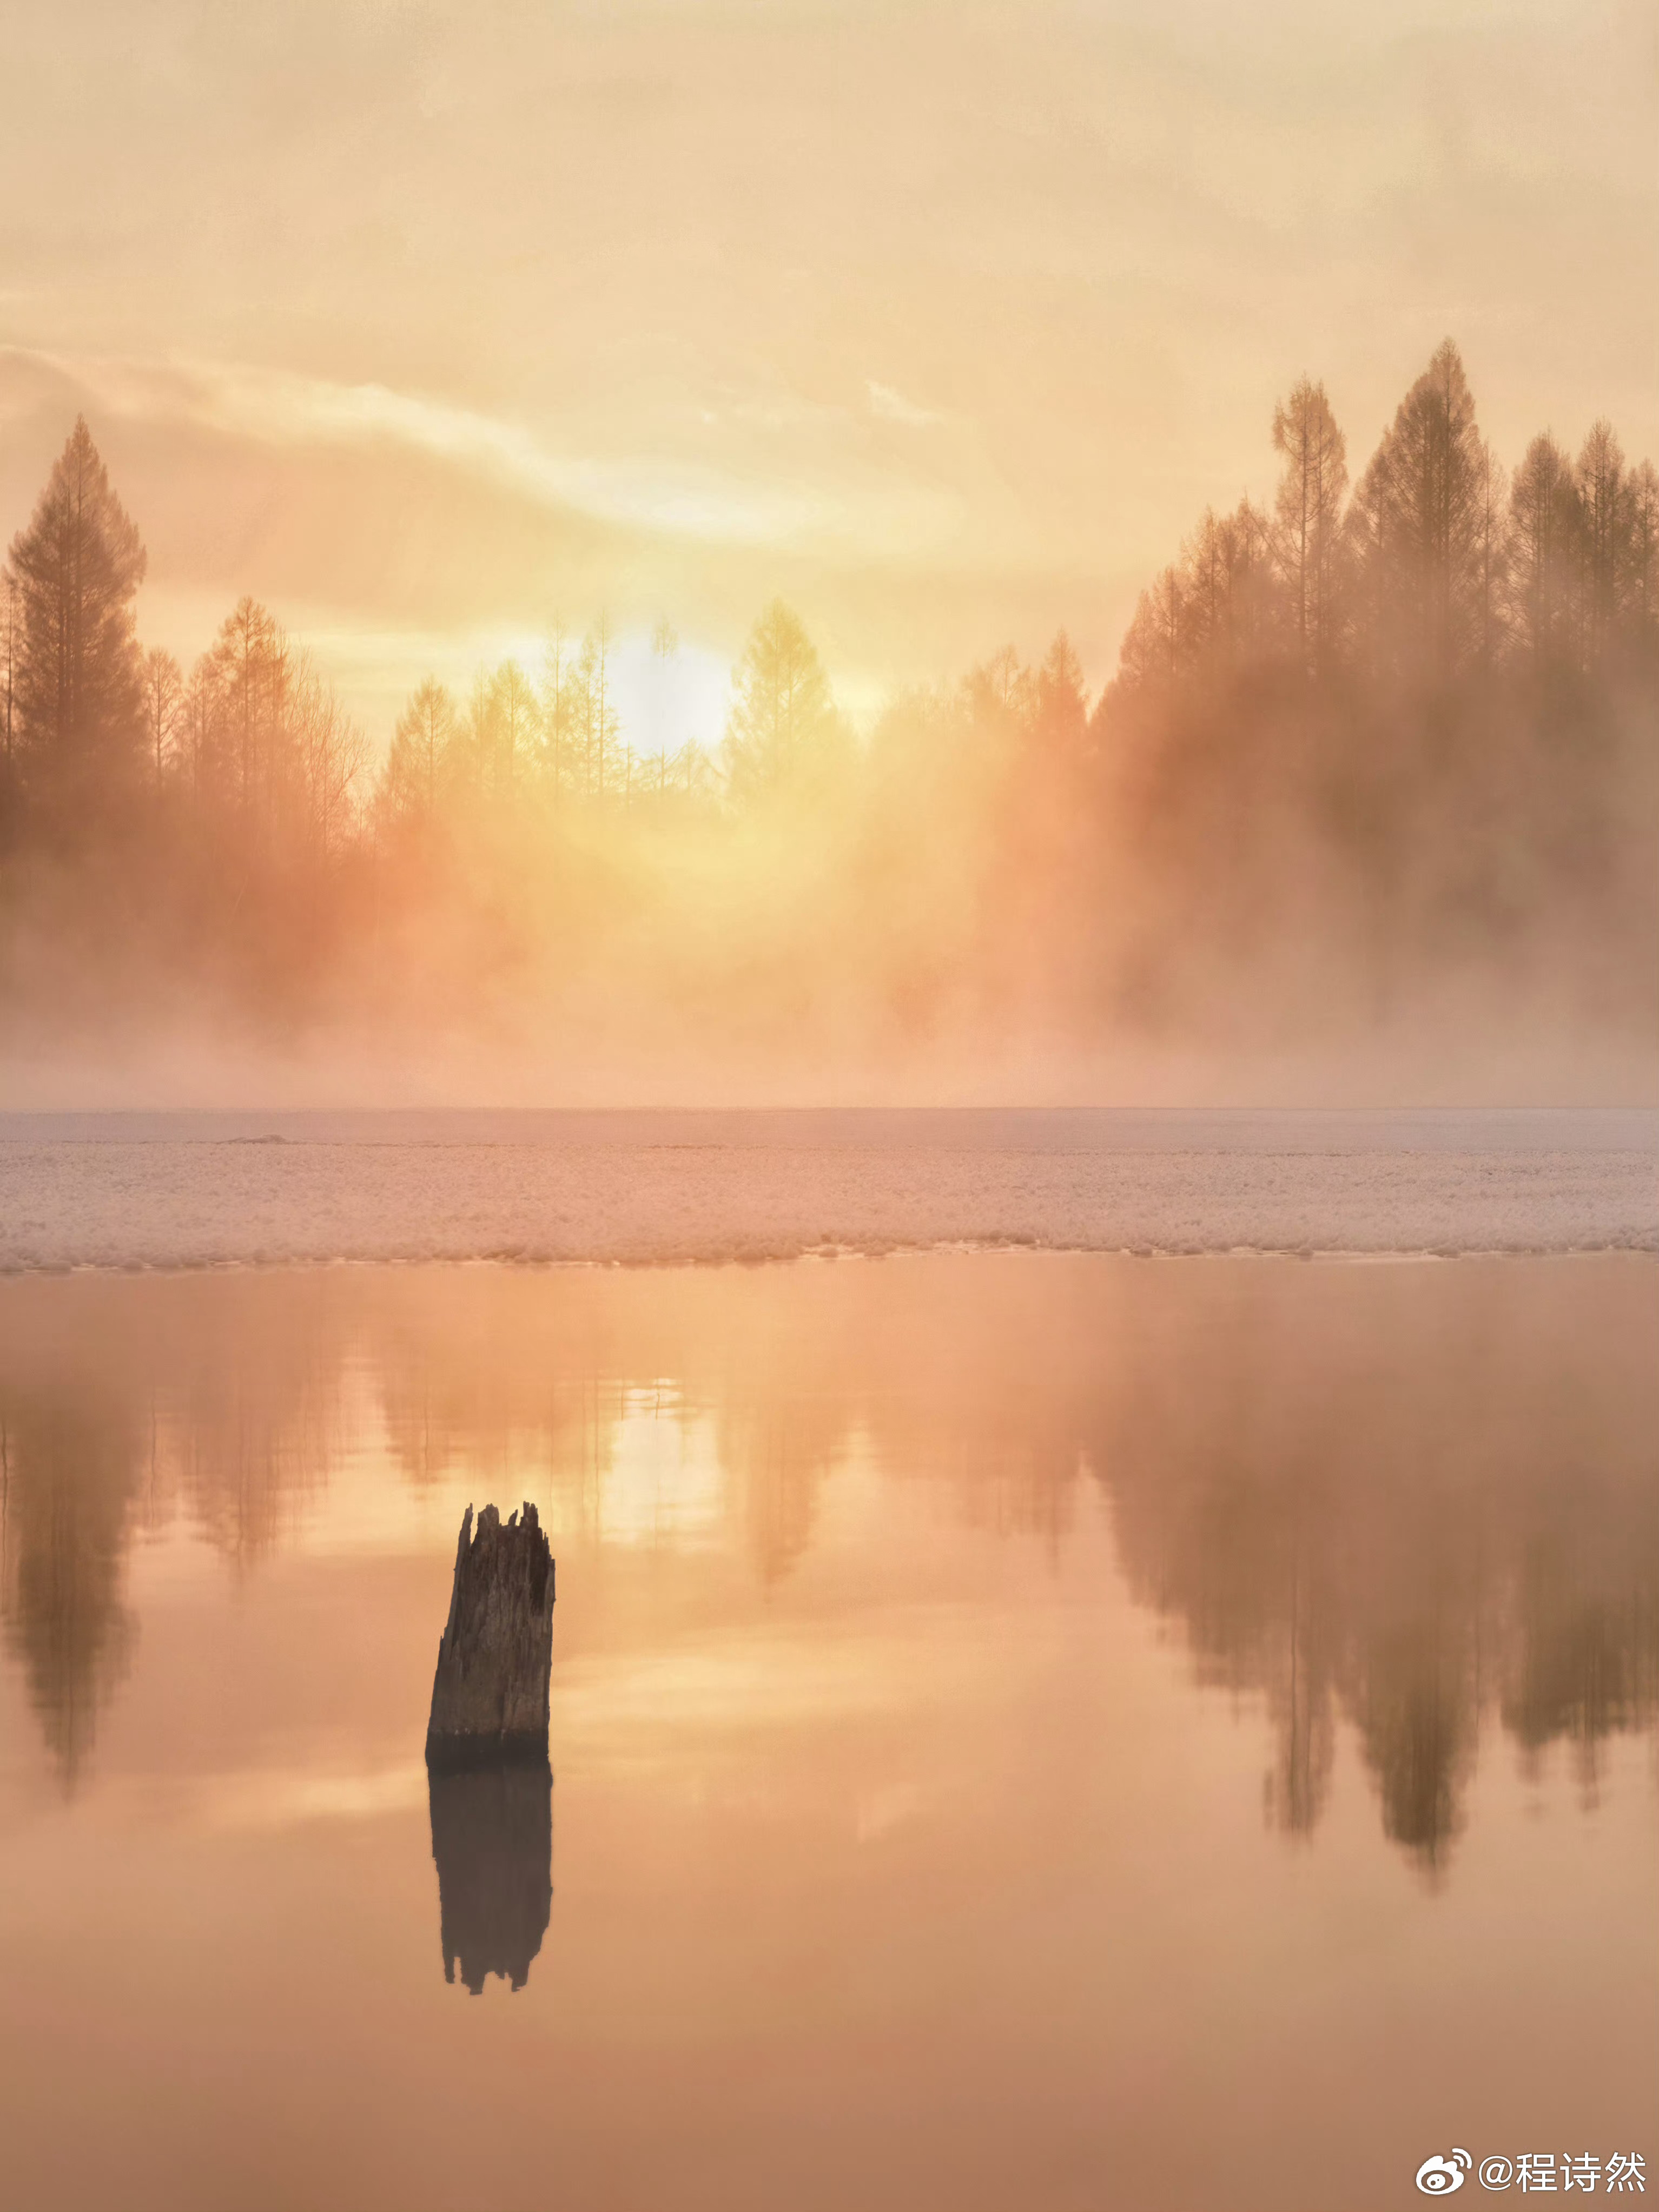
(1028, 1732)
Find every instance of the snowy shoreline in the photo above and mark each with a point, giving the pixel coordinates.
(180, 1191)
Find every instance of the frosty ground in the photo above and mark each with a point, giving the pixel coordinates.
(180, 1189)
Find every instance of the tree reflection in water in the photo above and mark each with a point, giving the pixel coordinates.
(67, 1497)
(1398, 1501)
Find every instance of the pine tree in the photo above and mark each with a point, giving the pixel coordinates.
(783, 732)
(1604, 516)
(557, 713)
(1544, 535)
(1417, 525)
(514, 715)
(163, 696)
(77, 707)
(1307, 517)
(1061, 721)
(249, 672)
(1224, 575)
(418, 763)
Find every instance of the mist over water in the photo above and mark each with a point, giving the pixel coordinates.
(1368, 810)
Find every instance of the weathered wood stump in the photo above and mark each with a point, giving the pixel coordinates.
(489, 1695)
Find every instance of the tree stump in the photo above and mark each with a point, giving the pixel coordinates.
(489, 1695)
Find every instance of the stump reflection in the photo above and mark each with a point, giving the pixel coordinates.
(492, 1837)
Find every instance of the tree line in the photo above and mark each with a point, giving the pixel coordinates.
(1417, 713)
(1413, 715)
(253, 733)
(94, 723)
(1434, 561)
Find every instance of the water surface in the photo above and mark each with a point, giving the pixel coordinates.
(1027, 1731)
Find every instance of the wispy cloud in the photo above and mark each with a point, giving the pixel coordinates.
(893, 407)
(667, 495)
(274, 406)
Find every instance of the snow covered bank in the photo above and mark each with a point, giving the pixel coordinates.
(188, 1190)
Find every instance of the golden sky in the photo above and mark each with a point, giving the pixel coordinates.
(425, 324)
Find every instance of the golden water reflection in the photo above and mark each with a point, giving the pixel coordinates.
(1406, 1500)
(1073, 1732)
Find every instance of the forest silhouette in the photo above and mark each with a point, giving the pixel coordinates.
(1386, 735)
